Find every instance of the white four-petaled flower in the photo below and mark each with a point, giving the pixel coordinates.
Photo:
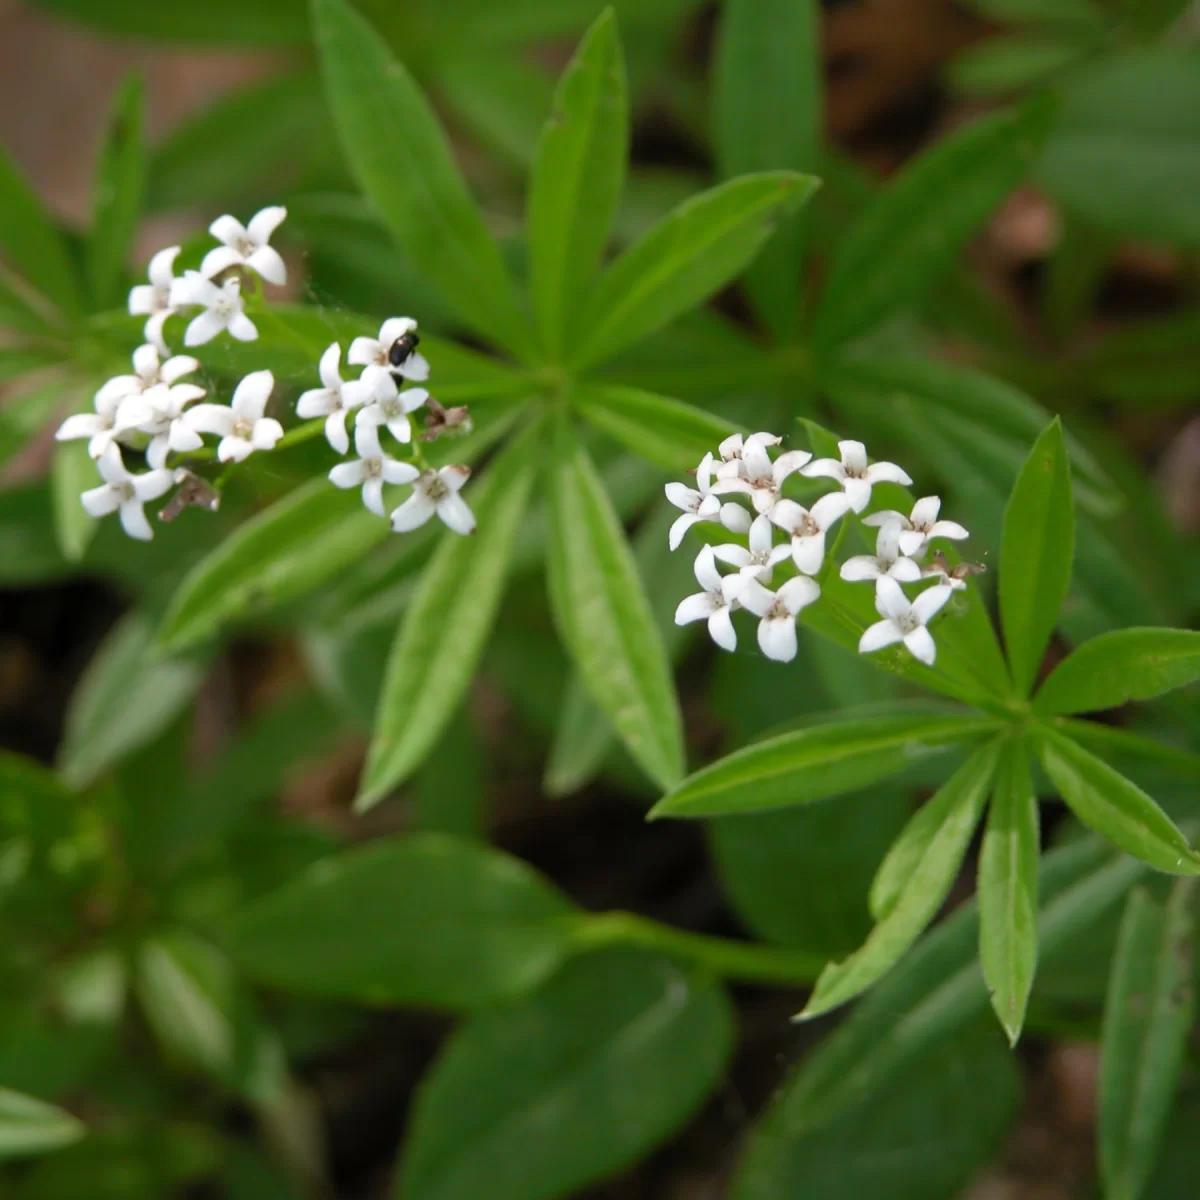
(125, 493)
(374, 353)
(702, 505)
(436, 492)
(153, 300)
(777, 611)
(392, 410)
(762, 556)
(333, 401)
(242, 427)
(148, 372)
(855, 477)
(904, 621)
(920, 527)
(247, 246)
(159, 412)
(223, 309)
(886, 561)
(807, 527)
(754, 474)
(98, 427)
(372, 469)
(714, 604)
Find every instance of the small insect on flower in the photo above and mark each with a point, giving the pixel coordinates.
(403, 347)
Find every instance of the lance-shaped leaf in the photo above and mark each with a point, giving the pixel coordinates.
(541, 1098)
(604, 618)
(911, 231)
(958, 804)
(425, 920)
(1116, 668)
(696, 249)
(445, 629)
(217, 23)
(1008, 884)
(1114, 806)
(29, 1126)
(767, 115)
(405, 165)
(578, 176)
(1036, 553)
(72, 472)
(1148, 1016)
(819, 761)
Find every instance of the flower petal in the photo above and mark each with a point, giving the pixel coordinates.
(930, 602)
(735, 518)
(348, 474)
(175, 368)
(698, 607)
(265, 222)
(948, 529)
(81, 425)
(110, 465)
(705, 569)
(363, 350)
(393, 329)
(133, 521)
(202, 329)
(875, 637)
(905, 570)
(366, 435)
(400, 428)
(824, 468)
(210, 418)
(234, 449)
(860, 568)
(732, 554)
(266, 433)
(228, 229)
(456, 514)
(921, 646)
(887, 516)
(720, 628)
(335, 431)
(788, 464)
(110, 394)
(798, 593)
(679, 528)
(413, 513)
(153, 330)
(751, 595)
(415, 367)
(830, 509)
(455, 476)
(890, 600)
(141, 300)
(372, 495)
(242, 328)
(762, 534)
(161, 269)
(887, 472)
(329, 367)
(251, 395)
(153, 484)
(808, 553)
(854, 457)
(100, 501)
(317, 402)
(399, 472)
(788, 515)
(777, 638)
(219, 259)
(925, 512)
(858, 492)
(268, 262)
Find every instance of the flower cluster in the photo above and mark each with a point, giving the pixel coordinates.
(153, 410)
(779, 530)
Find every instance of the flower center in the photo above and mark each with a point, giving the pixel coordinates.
(807, 527)
(243, 429)
(436, 490)
(373, 467)
(907, 623)
(778, 612)
(245, 247)
(125, 491)
(224, 305)
(391, 407)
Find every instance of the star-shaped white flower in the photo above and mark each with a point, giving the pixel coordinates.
(159, 411)
(148, 373)
(392, 410)
(153, 300)
(903, 621)
(436, 492)
(733, 447)
(333, 401)
(374, 352)
(125, 493)
(247, 246)
(919, 528)
(372, 469)
(702, 505)
(854, 475)
(763, 555)
(777, 610)
(887, 561)
(807, 527)
(241, 426)
(223, 309)
(714, 604)
(98, 427)
(755, 475)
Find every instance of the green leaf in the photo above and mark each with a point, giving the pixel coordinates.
(1125, 149)
(1148, 1018)
(1150, 361)
(217, 23)
(912, 229)
(22, 416)
(1007, 889)
(818, 762)
(1011, 63)
(72, 473)
(578, 1081)
(1119, 667)
(958, 804)
(1114, 806)
(31, 243)
(666, 432)
(421, 920)
(1081, 16)
(278, 555)
(767, 115)
(452, 791)
(603, 616)
(29, 1126)
(126, 697)
(117, 196)
(1035, 555)
(445, 629)
(696, 249)
(1125, 745)
(578, 176)
(405, 165)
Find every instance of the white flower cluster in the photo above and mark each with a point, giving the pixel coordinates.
(779, 529)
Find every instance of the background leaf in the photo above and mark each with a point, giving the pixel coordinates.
(219, 22)
(72, 472)
(29, 1126)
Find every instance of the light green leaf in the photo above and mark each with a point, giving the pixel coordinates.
(216, 23)
(117, 196)
(421, 920)
(818, 762)
(959, 804)
(604, 618)
(127, 696)
(578, 176)
(1008, 887)
(445, 629)
(538, 1099)
(278, 555)
(1111, 742)
(911, 231)
(1114, 806)
(72, 473)
(1115, 668)
(666, 432)
(29, 1126)
(405, 165)
(1011, 63)
(1148, 1016)
(22, 416)
(700, 246)
(767, 115)
(1035, 555)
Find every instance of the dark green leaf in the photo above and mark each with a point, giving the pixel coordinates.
(1155, 360)
(216, 23)
(453, 787)
(29, 1126)
(1080, 15)
(581, 1079)
(1011, 63)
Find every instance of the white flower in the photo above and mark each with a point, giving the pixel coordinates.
(762, 556)
(241, 426)
(732, 448)
(372, 469)
(885, 562)
(148, 373)
(334, 400)
(392, 411)
(153, 300)
(98, 426)
(436, 491)
(904, 622)
(854, 475)
(246, 246)
(126, 493)
(159, 411)
(808, 527)
(755, 475)
(920, 527)
(376, 352)
(714, 604)
(223, 309)
(702, 505)
(777, 610)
